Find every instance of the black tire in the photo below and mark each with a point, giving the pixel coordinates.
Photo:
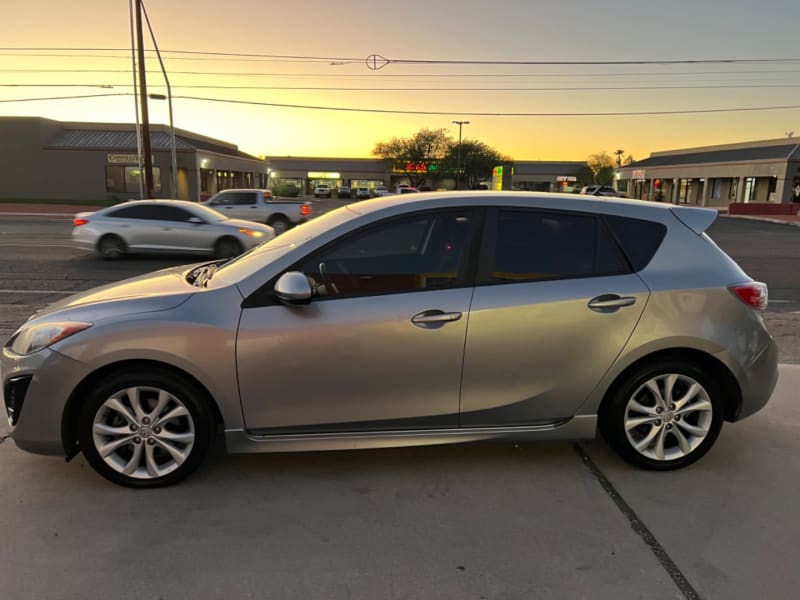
(279, 224)
(671, 424)
(227, 247)
(116, 386)
(111, 247)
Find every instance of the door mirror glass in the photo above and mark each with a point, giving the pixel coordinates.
(293, 288)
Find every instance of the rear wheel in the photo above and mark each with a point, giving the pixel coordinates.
(145, 428)
(111, 247)
(227, 247)
(279, 224)
(664, 416)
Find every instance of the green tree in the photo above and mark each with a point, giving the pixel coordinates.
(408, 155)
(602, 167)
(476, 162)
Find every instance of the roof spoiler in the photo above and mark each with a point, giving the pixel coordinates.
(696, 219)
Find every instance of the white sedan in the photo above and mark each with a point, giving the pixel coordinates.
(165, 226)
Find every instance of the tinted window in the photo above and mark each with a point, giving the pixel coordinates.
(152, 212)
(533, 246)
(639, 238)
(405, 255)
(235, 198)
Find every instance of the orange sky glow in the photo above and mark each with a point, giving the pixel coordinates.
(66, 49)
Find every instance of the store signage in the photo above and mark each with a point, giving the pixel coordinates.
(638, 174)
(324, 175)
(566, 178)
(124, 159)
(415, 167)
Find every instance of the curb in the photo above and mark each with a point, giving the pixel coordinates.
(763, 219)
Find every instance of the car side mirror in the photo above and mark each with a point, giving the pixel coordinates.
(293, 288)
(195, 220)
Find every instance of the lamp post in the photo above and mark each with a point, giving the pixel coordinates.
(458, 172)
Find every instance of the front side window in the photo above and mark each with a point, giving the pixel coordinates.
(152, 212)
(536, 246)
(402, 255)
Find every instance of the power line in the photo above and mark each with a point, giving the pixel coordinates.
(422, 89)
(66, 97)
(415, 61)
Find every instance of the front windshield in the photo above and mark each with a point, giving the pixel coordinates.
(250, 261)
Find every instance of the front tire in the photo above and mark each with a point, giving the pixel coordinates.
(663, 416)
(227, 247)
(145, 428)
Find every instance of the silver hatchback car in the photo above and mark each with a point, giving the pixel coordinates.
(428, 319)
(161, 226)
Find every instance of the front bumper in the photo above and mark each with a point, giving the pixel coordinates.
(36, 425)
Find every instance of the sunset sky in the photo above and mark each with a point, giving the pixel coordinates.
(55, 48)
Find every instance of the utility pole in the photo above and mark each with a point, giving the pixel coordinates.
(148, 154)
(460, 125)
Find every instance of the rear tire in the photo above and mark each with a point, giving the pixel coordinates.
(227, 247)
(279, 224)
(111, 247)
(145, 428)
(663, 416)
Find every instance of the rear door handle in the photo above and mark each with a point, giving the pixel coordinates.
(434, 318)
(610, 302)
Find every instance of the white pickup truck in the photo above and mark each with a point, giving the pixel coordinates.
(259, 205)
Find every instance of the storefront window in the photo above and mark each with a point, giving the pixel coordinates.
(115, 178)
(126, 179)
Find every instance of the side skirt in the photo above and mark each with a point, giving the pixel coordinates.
(241, 441)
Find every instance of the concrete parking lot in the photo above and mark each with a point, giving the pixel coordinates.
(554, 520)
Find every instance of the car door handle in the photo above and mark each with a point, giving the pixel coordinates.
(434, 318)
(610, 302)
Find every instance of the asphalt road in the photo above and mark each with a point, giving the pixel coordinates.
(496, 521)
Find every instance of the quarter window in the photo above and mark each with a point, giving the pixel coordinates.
(404, 255)
(536, 246)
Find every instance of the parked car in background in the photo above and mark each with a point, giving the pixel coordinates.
(363, 193)
(343, 191)
(407, 190)
(583, 313)
(400, 186)
(165, 226)
(381, 190)
(601, 190)
(322, 191)
(260, 206)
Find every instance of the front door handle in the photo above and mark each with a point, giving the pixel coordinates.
(434, 318)
(610, 302)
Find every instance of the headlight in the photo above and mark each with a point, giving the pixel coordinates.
(32, 338)
(251, 232)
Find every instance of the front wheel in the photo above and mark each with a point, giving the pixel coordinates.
(111, 247)
(145, 428)
(227, 247)
(663, 416)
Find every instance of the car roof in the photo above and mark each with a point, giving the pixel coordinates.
(696, 218)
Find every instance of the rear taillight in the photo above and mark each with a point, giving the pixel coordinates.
(78, 222)
(754, 294)
(305, 210)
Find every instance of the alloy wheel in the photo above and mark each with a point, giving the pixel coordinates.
(668, 417)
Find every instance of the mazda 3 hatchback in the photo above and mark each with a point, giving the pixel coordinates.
(430, 318)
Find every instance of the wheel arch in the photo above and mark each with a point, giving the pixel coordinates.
(69, 418)
(731, 392)
(110, 236)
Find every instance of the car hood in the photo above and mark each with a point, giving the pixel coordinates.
(160, 290)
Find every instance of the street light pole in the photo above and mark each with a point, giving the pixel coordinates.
(148, 155)
(458, 172)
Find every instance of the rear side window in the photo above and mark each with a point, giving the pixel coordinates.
(639, 238)
(535, 246)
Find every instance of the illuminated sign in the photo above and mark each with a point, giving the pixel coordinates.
(324, 175)
(566, 178)
(415, 167)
